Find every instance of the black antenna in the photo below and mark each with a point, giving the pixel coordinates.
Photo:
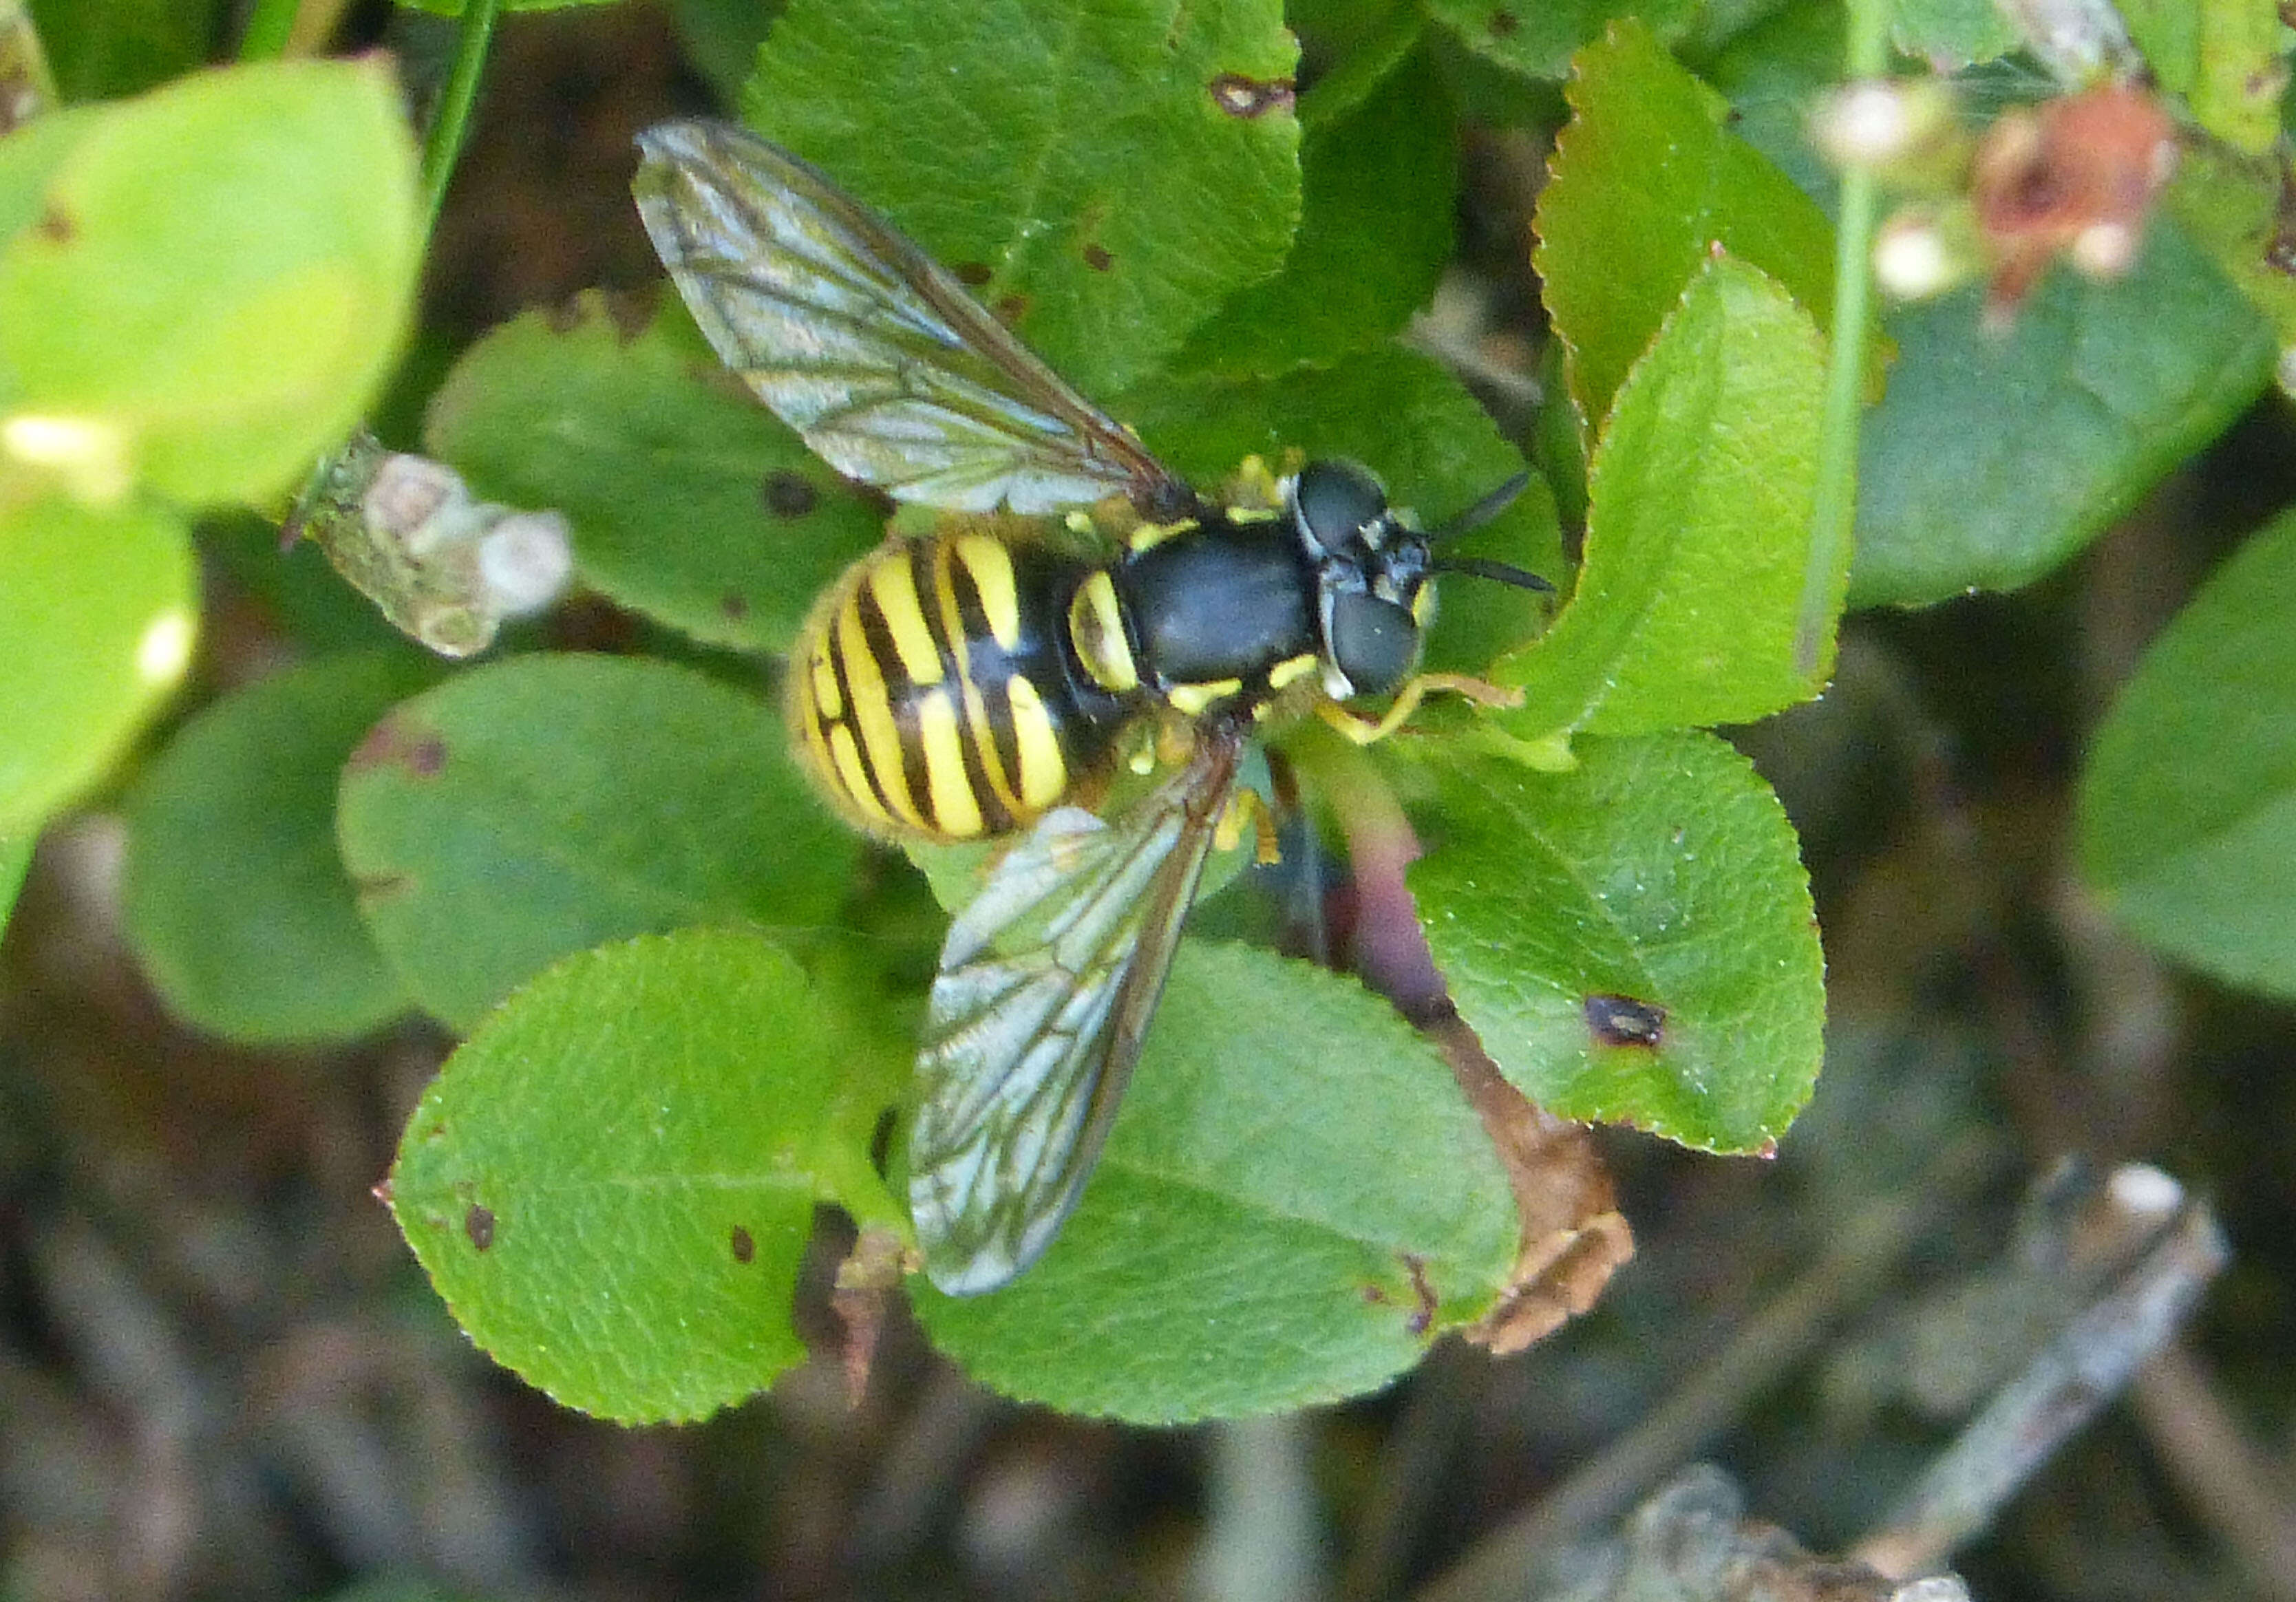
(1477, 567)
(1483, 511)
(1480, 566)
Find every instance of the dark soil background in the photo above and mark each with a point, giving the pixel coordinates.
(223, 1376)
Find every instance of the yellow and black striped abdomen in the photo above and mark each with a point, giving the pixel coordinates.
(930, 693)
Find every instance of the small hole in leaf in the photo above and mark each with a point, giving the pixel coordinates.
(1622, 1021)
(1242, 96)
(479, 1225)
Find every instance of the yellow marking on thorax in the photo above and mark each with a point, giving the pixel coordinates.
(894, 589)
(990, 566)
(1291, 669)
(1044, 772)
(954, 810)
(872, 714)
(1149, 536)
(1096, 630)
(1193, 698)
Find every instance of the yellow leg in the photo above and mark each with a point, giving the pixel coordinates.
(1248, 805)
(1364, 731)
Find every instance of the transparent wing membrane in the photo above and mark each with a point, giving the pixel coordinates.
(892, 373)
(1047, 985)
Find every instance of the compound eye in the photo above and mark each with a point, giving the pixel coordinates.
(1336, 502)
(1374, 642)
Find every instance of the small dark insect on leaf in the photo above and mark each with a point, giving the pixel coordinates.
(1242, 96)
(973, 273)
(1096, 257)
(1623, 1021)
(479, 1225)
(745, 1244)
(789, 494)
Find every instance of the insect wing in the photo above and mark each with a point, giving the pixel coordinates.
(1047, 983)
(858, 340)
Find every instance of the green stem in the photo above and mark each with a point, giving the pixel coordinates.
(270, 26)
(1836, 504)
(451, 121)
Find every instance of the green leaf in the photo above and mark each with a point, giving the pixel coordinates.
(1244, 1246)
(721, 38)
(1661, 872)
(1645, 183)
(1995, 457)
(1108, 170)
(15, 857)
(454, 8)
(219, 277)
(539, 806)
(97, 615)
(1536, 37)
(121, 48)
(235, 900)
(1697, 531)
(1952, 34)
(2187, 809)
(2230, 204)
(2240, 71)
(1381, 184)
(2167, 34)
(30, 156)
(689, 502)
(612, 1181)
(1407, 418)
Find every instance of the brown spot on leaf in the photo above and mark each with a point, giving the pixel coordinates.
(734, 608)
(479, 1225)
(789, 494)
(745, 1244)
(56, 226)
(1502, 23)
(1096, 257)
(392, 742)
(371, 888)
(974, 273)
(1623, 1021)
(564, 316)
(1011, 308)
(1422, 1317)
(1242, 96)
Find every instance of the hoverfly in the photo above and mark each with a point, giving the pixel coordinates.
(964, 684)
